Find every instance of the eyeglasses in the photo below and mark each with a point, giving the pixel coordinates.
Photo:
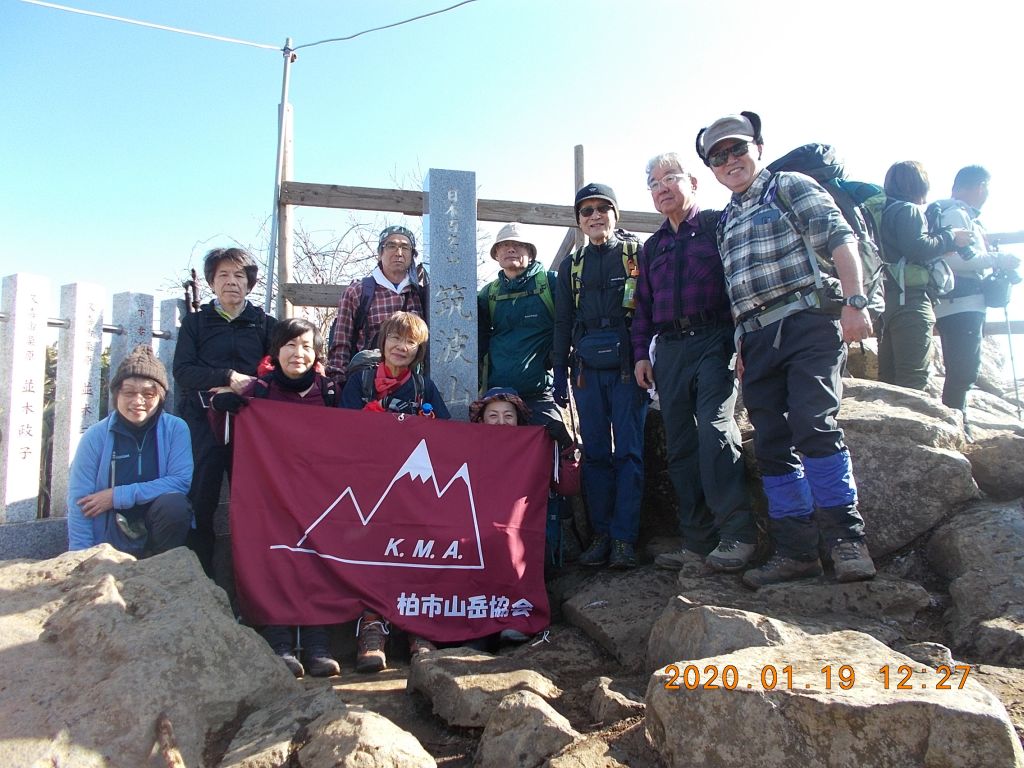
(130, 394)
(719, 159)
(400, 247)
(587, 212)
(665, 181)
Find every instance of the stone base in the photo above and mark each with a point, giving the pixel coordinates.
(34, 540)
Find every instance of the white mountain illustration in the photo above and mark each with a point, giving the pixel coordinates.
(418, 466)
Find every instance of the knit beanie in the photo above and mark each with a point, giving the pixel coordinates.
(143, 363)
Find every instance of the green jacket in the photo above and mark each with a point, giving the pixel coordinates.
(515, 343)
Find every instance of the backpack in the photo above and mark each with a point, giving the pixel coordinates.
(367, 286)
(328, 390)
(365, 364)
(630, 248)
(542, 288)
(860, 202)
(934, 275)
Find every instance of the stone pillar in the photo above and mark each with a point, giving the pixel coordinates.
(22, 369)
(134, 313)
(77, 392)
(171, 312)
(449, 233)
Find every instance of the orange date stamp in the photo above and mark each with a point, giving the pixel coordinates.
(905, 677)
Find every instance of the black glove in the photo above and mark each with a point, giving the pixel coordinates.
(228, 402)
(561, 385)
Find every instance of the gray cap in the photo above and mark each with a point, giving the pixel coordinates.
(728, 127)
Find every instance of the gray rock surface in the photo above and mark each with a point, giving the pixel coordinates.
(465, 686)
(608, 705)
(524, 730)
(95, 645)
(804, 722)
(361, 739)
(981, 552)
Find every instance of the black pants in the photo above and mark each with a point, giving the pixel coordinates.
(961, 352)
(211, 461)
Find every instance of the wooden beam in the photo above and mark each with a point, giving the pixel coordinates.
(1004, 238)
(998, 328)
(411, 204)
(312, 294)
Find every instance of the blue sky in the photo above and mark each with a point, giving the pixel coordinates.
(128, 152)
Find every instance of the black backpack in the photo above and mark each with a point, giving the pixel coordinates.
(861, 204)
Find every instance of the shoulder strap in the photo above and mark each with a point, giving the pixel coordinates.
(369, 285)
(544, 291)
(576, 274)
(368, 374)
(492, 298)
(328, 391)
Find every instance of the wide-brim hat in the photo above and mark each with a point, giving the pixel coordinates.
(514, 233)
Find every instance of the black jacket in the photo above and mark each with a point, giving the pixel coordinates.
(600, 297)
(209, 348)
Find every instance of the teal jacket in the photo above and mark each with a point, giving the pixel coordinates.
(517, 340)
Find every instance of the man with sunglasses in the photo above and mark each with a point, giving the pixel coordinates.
(681, 301)
(593, 306)
(392, 286)
(777, 237)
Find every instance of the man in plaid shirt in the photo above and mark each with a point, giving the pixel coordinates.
(779, 233)
(681, 301)
(394, 289)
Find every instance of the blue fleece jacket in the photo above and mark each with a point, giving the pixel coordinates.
(90, 472)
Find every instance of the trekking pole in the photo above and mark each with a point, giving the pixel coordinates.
(1013, 366)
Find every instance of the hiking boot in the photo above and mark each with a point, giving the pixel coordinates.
(282, 643)
(623, 555)
(780, 569)
(683, 557)
(730, 556)
(597, 552)
(317, 653)
(852, 561)
(371, 635)
(510, 635)
(418, 645)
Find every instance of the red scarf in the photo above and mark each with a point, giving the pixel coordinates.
(385, 384)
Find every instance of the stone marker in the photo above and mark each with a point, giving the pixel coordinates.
(449, 233)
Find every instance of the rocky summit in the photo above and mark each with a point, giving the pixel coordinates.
(108, 661)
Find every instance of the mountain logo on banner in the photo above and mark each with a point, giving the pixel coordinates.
(441, 532)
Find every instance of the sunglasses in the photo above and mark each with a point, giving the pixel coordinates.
(587, 212)
(719, 159)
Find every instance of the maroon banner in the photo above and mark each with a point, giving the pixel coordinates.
(436, 525)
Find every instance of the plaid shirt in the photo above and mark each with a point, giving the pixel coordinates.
(764, 255)
(689, 258)
(385, 302)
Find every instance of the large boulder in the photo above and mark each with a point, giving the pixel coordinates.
(981, 552)
(799, 716)
(907, 460)
(523, 731)
(361, 739)
(997, 453)
(465, 686)
(96, 645)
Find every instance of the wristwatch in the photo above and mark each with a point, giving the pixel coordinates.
(856, 301)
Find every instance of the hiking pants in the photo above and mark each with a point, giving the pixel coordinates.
(961, 352)
(697, 392)
(905, 349)
(613, 483)
(792, 389)
(211, 461)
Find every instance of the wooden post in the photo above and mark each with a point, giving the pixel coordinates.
(284, 217)
(578, 155)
